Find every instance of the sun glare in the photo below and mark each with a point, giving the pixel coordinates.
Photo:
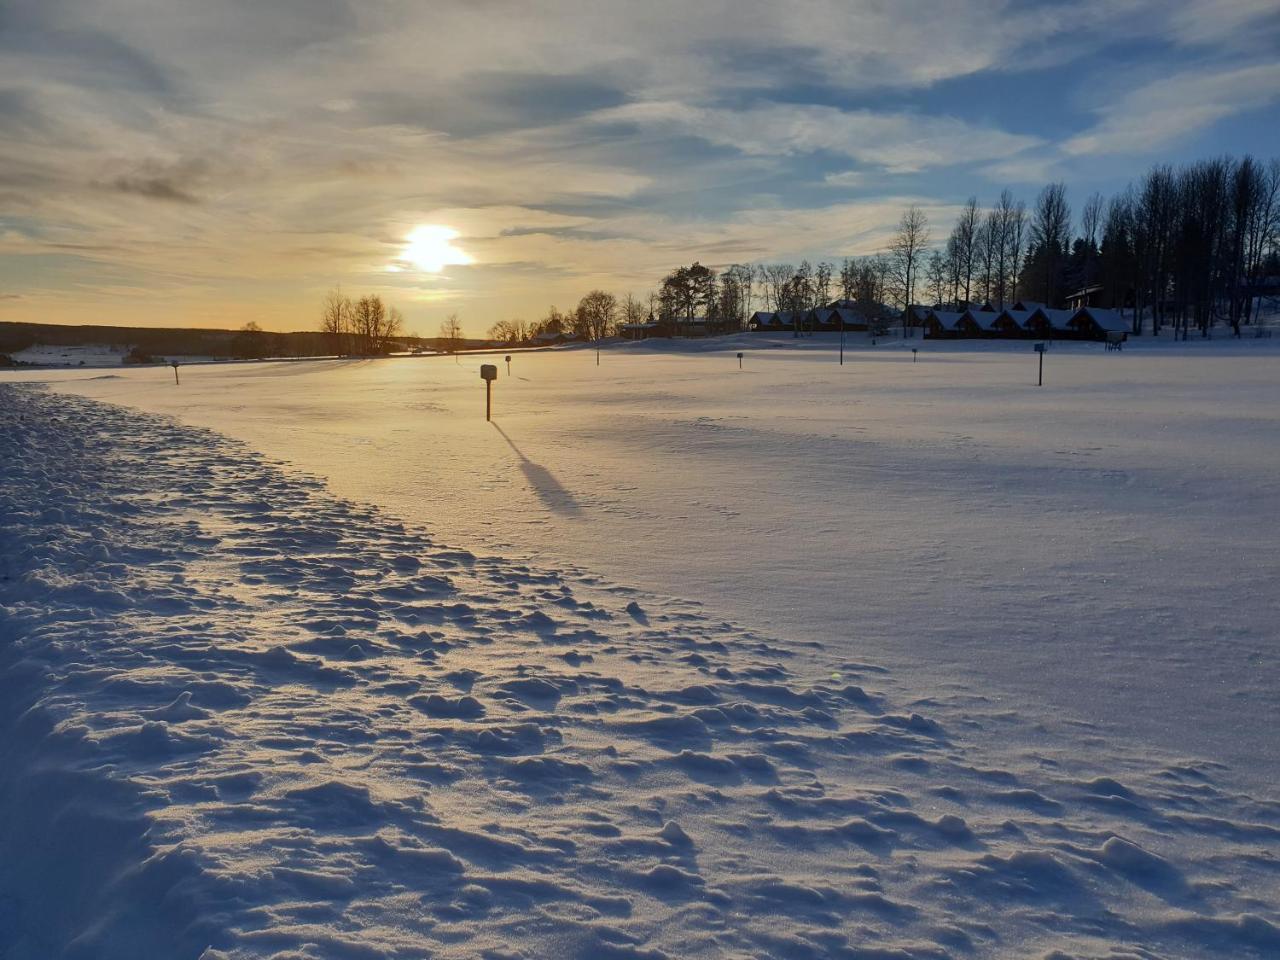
(430, 248)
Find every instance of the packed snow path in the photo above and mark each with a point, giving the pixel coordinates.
(244, 718)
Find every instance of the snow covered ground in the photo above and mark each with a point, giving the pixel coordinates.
(673, 659)
(92, 355)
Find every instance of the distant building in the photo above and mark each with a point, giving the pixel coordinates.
(639, 331)
(1085, 297)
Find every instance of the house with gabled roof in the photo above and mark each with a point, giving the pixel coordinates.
(1094, 323)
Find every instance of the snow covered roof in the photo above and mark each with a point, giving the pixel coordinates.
(1059, 319)
(1106, 319)
(647, 325)
(947, 318)
(1020, 317)
(986, 319)
(849, 315)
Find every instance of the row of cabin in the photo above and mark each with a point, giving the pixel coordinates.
(1024, 319)
(841, 315)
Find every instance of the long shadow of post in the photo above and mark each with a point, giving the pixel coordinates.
(549, 490)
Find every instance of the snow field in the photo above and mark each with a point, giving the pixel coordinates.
(244, 717)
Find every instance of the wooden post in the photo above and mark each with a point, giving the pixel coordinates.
(488, 373)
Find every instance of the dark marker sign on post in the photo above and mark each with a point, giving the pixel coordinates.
(508, 364)
(1040, 350)
(488, 373)
(739, 361)
(174, 364)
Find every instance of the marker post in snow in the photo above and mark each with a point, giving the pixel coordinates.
(914, 351)
(739, 361)
(175, 372)
(488, 373)
(1040, 350)
(508, 364)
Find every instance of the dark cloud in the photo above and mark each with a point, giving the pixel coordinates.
(494, 101)
(153, 188)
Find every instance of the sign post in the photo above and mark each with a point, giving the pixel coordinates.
(508, 364)
(1040, 350)
(174, 364)
(914, 351)
(488, 373)
(739, 361)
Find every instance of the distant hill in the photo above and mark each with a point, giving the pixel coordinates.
(186, 341)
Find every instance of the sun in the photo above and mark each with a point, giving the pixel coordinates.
(430, 248)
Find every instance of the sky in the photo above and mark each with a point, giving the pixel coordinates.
(198, 163)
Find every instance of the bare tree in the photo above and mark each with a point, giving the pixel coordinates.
(774, 277)
(908, 248)
(392, 327)
(369, 316)
(935, 273)
(633, 310)
(848, 279)
(507, 331)
(596, 314)
(1091, 219)
(335, 319)
(966, 234)
(822, 284)
(451, 333)
(1051, 234)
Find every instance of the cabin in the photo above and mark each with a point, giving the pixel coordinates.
(1044, 322)
(985, 323)
(849, 318)
(1094, 323)
(918, 315)
(1015, 322)
(549, 337)
(690, 326)
(943, 324)
(823, 318)
(1029, 305)
(639, 331)
(764, 320)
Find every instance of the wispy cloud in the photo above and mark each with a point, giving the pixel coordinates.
(1163, 111)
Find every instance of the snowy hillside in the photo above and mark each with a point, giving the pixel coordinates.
(246, 715)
